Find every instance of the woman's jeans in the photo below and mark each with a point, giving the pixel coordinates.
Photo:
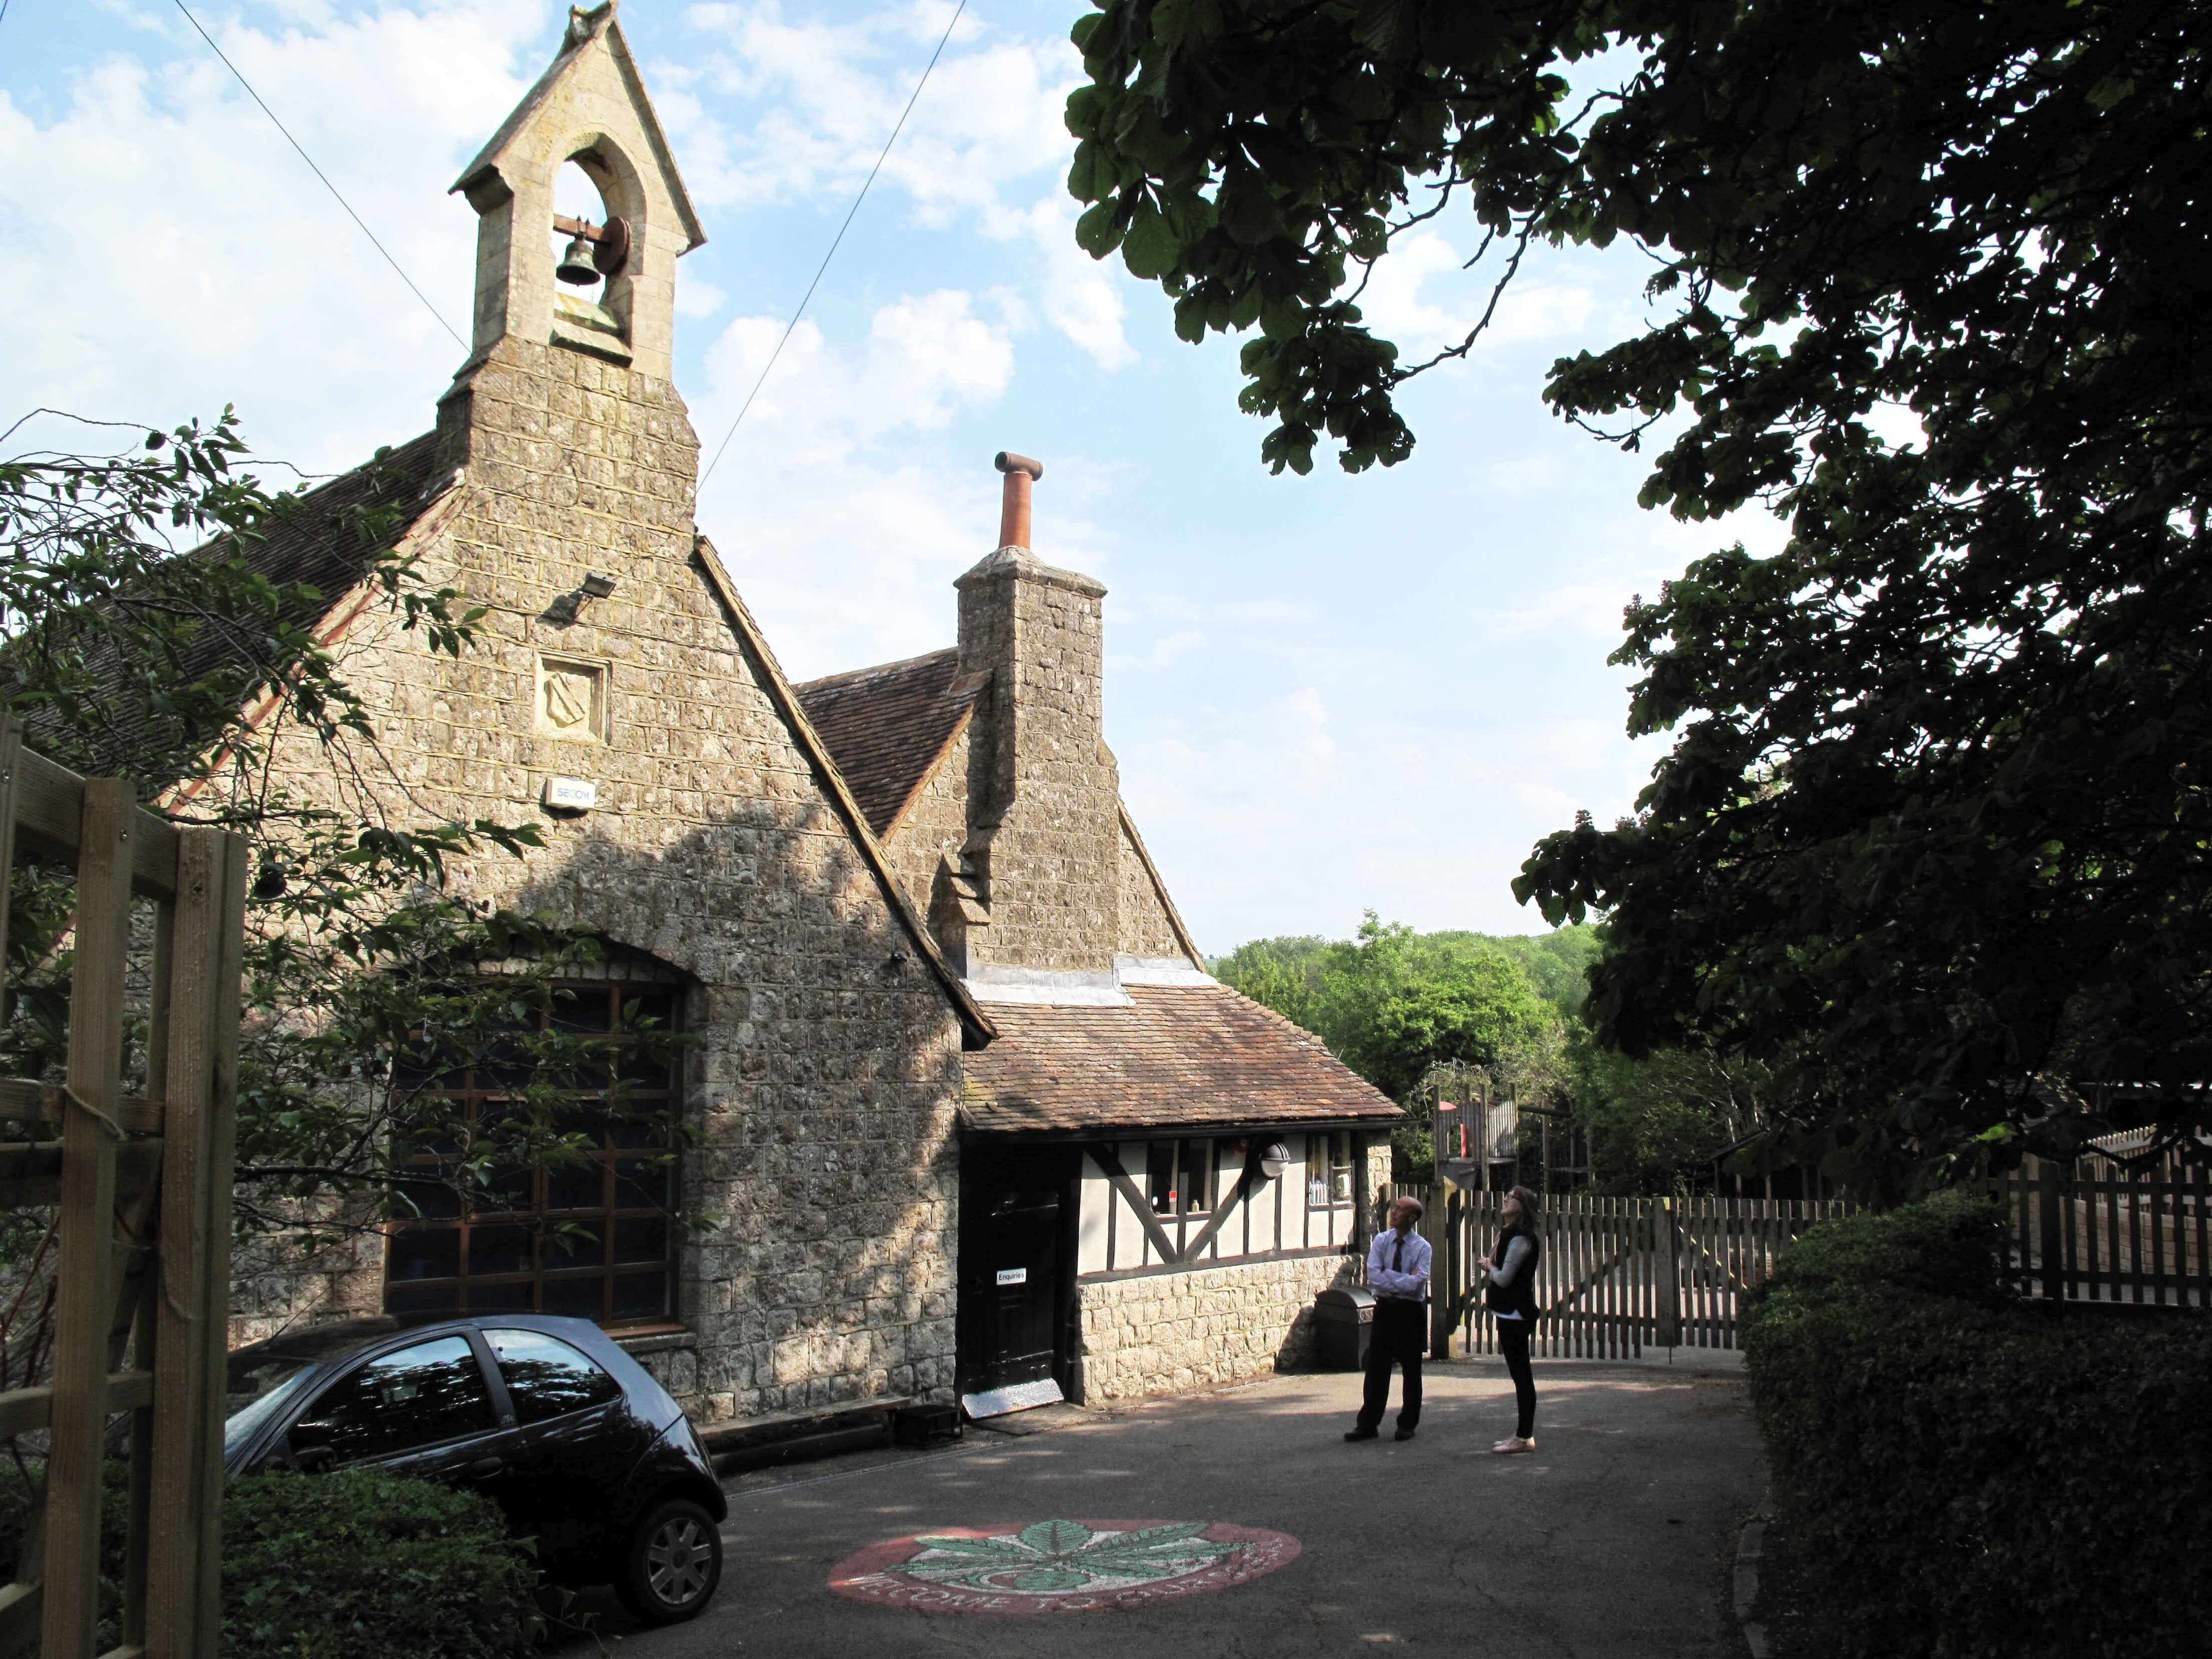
(1513, 1343)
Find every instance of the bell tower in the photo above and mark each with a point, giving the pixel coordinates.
(612, 293)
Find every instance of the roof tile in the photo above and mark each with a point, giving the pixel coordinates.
(1177, 1057)
(887, 726)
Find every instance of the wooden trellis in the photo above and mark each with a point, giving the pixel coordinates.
(142, 1187)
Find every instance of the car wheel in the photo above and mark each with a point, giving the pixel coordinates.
(673, 1563)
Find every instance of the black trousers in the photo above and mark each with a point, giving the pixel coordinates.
(1400, 1337)
(1513, 1343)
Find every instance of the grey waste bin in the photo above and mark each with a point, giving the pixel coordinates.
(1344, 1322)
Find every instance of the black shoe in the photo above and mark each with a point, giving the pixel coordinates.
(1361, 1434)
(1403, 1434)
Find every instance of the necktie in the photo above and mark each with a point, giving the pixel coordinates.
(1398, 1257)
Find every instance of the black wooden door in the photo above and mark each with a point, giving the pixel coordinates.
(1014, 1283)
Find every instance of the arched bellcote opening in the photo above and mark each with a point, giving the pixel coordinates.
(582, 214)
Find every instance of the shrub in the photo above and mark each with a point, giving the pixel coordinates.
(1966, 1476)
(365, 1564)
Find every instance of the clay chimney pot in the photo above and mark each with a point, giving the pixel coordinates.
(1014, 509)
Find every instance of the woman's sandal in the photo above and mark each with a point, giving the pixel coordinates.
(1514, 1443)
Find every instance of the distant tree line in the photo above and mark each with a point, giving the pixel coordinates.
(1396, 1005)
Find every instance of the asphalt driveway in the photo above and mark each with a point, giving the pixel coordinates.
(1612, 1539)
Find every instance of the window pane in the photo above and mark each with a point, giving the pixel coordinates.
(640, 1296)
(418, 1298)
(426, 1253)
(415, 1397)
(1159, 1177)
(580, 1298)
(1317, 1169)
(1194, 1176)
(576, 1187)
(640, 1241)
(643, 1183)
(434, 1200)
(572, 1246)
(545, 1377)
(518, 1296)
(498, 1249)
(582, 1008)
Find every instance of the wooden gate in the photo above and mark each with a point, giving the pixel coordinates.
(2098, 1230)
(1619, 1275)
(140, 1188)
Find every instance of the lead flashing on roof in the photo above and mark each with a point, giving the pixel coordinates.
(1170, 971)
(1046, 987)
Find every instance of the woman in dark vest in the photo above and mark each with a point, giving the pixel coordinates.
(1509, 1291)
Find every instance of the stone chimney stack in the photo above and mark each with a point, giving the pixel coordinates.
(1044, 797)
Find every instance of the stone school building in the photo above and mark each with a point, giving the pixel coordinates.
(975, 1114)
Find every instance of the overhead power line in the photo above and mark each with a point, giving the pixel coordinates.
(316, 171)
(896, 128)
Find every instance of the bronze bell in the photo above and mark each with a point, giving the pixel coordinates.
(576, 264)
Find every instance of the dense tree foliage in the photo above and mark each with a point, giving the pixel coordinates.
(138, 627)
(1931, 286)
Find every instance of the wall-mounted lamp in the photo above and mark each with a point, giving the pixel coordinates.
(596, 585)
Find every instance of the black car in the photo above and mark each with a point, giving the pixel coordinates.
(583, 1451)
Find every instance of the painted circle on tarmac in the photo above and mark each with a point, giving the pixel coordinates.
(1061, 1566)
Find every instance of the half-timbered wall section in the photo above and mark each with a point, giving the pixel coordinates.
(1184, 1201)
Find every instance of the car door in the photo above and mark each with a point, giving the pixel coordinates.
(582, 1438)
(427, 1409)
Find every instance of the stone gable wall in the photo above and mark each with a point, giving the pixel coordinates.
(1144, 928)
(824, 1074)
(936, 823)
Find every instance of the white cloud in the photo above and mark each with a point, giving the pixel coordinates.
(818, 100)
(1421, 297)
(832, 471)
(193, 259)
(1632, 555)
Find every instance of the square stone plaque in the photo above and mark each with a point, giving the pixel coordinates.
(572, 699)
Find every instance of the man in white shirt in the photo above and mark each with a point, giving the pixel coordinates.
(1398, 1274)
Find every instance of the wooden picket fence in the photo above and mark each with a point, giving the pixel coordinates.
(1619, 1275)
(2097, 1230)
(140, 1191)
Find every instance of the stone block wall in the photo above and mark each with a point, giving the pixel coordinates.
(1043, 790)
(1146, 930)
(936, 823)
(1169, 1333)
(825, 1071)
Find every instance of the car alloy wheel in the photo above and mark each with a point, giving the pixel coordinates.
(675, 1561)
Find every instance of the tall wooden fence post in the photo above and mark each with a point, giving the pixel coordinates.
(2052, 1244)
(84, 1303)
(199, 1086)
(1666, 1272)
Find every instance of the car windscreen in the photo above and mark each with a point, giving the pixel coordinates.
(244, 1423)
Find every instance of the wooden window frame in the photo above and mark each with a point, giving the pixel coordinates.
(423, 1299)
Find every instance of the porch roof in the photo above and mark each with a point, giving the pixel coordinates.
(1177, 1058)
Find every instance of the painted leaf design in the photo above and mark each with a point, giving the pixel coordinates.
(1156, 1563)
(1052, 1578)
(1056, 1537)
(1147, 1537)
(1001, 1548)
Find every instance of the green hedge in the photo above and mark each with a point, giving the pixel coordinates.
(358, 1565)
(1964, 1475)
(362, 1565)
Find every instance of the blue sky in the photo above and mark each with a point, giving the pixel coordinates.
(1328, 694)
